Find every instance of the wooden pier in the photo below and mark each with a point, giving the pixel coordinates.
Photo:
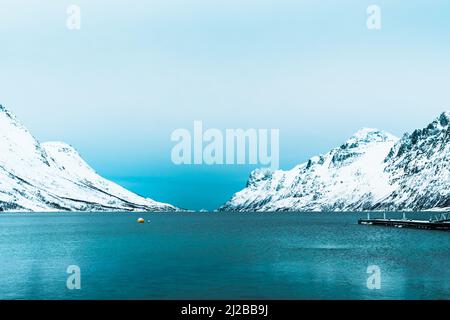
(439, 222)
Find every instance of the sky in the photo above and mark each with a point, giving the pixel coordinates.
(137, 70)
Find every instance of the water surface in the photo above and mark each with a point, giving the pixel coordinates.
(218, 256)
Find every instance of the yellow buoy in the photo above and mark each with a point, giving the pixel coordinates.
(140, 220)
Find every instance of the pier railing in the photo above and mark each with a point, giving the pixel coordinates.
(440, 217)
(370, 215)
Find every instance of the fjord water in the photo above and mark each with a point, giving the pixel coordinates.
(218, 256)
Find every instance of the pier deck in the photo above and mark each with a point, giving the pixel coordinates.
(405, 223)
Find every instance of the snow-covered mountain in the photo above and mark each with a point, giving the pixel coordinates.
(373, 170)
(53, 177)
(419, 169)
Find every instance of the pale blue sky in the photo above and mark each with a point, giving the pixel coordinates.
(137, 70)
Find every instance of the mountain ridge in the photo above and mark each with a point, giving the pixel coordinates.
(373, 170)
(52, 176)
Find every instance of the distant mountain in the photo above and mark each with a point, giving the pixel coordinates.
(52, 176)
(373, 170)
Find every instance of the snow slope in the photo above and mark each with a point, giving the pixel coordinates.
(52, 176)
(419, 169)
(373, 170)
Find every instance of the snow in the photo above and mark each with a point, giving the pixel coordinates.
(52, 176)
(373, 170)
